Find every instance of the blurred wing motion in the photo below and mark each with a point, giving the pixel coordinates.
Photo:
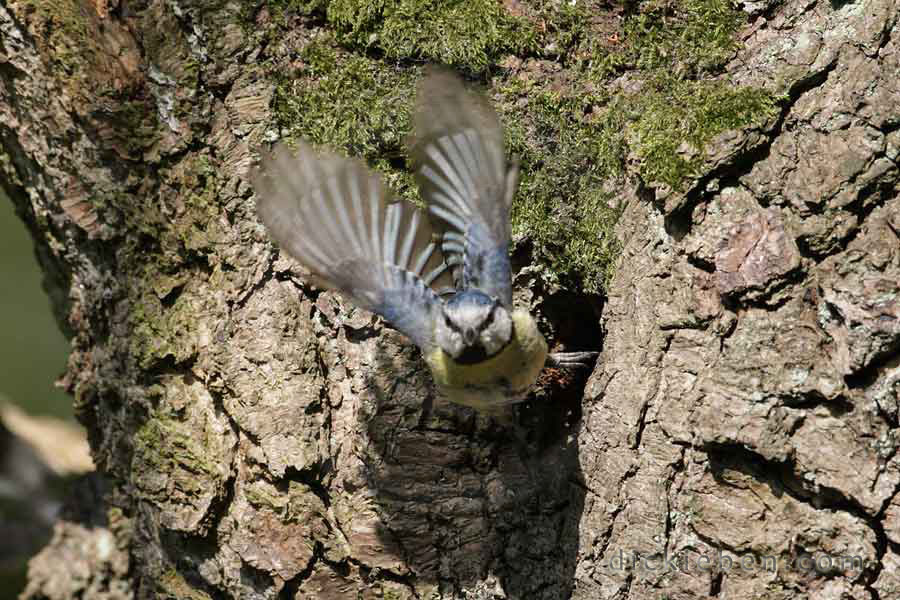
(464, 179)
(333, 215)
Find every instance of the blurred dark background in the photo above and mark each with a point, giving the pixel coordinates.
(38, 434)
(33, 353)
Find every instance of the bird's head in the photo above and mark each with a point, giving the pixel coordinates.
(473, 326)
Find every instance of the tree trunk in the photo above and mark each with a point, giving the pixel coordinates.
(255, 438)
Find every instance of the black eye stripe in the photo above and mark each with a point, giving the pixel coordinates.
(487, 321)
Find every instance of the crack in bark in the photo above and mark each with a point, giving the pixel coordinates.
(764, 301)
(826, 498)
(715, 585)
(837, 407)
(869, 375)
(858, 209)
(640, 425)
(678, 223)
(268, 274)
(292, 586)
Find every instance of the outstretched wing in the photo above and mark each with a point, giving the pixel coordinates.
(335, 217)
(464, 178)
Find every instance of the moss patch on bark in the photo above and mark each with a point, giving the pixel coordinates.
(589, 96)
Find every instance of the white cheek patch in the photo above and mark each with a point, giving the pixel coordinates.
(459, 345)
(498, 334)
(449, 340)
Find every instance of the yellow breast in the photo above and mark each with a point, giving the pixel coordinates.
(502, 379)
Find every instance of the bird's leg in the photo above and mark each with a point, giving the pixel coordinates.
(571, 360)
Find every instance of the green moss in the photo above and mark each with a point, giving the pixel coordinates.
(578, 133)
(470, 34)
(565, 29)
(199, 227)
(685, 39)
(643, 96)
(393, 593)
(670, 51)
(352, 104)
(172, 585)
(68, 29)
(154, 338)
(133, 125)
(165, 444)
(576, 243)
(297, 504)
(265, 496)
(565, 154)
(182, 231)
(678, 120)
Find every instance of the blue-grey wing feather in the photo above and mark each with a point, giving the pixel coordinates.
(466, 182)
(336, 218)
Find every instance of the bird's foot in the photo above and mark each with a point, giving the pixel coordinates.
(572, 360)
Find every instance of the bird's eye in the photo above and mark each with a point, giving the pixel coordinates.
(448, 322)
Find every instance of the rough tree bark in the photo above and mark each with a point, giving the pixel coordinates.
(257, 439)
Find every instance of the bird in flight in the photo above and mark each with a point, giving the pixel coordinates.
(441, 275)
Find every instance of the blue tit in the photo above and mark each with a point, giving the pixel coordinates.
(440, 276)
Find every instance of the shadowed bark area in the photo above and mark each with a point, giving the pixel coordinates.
(256, 438)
